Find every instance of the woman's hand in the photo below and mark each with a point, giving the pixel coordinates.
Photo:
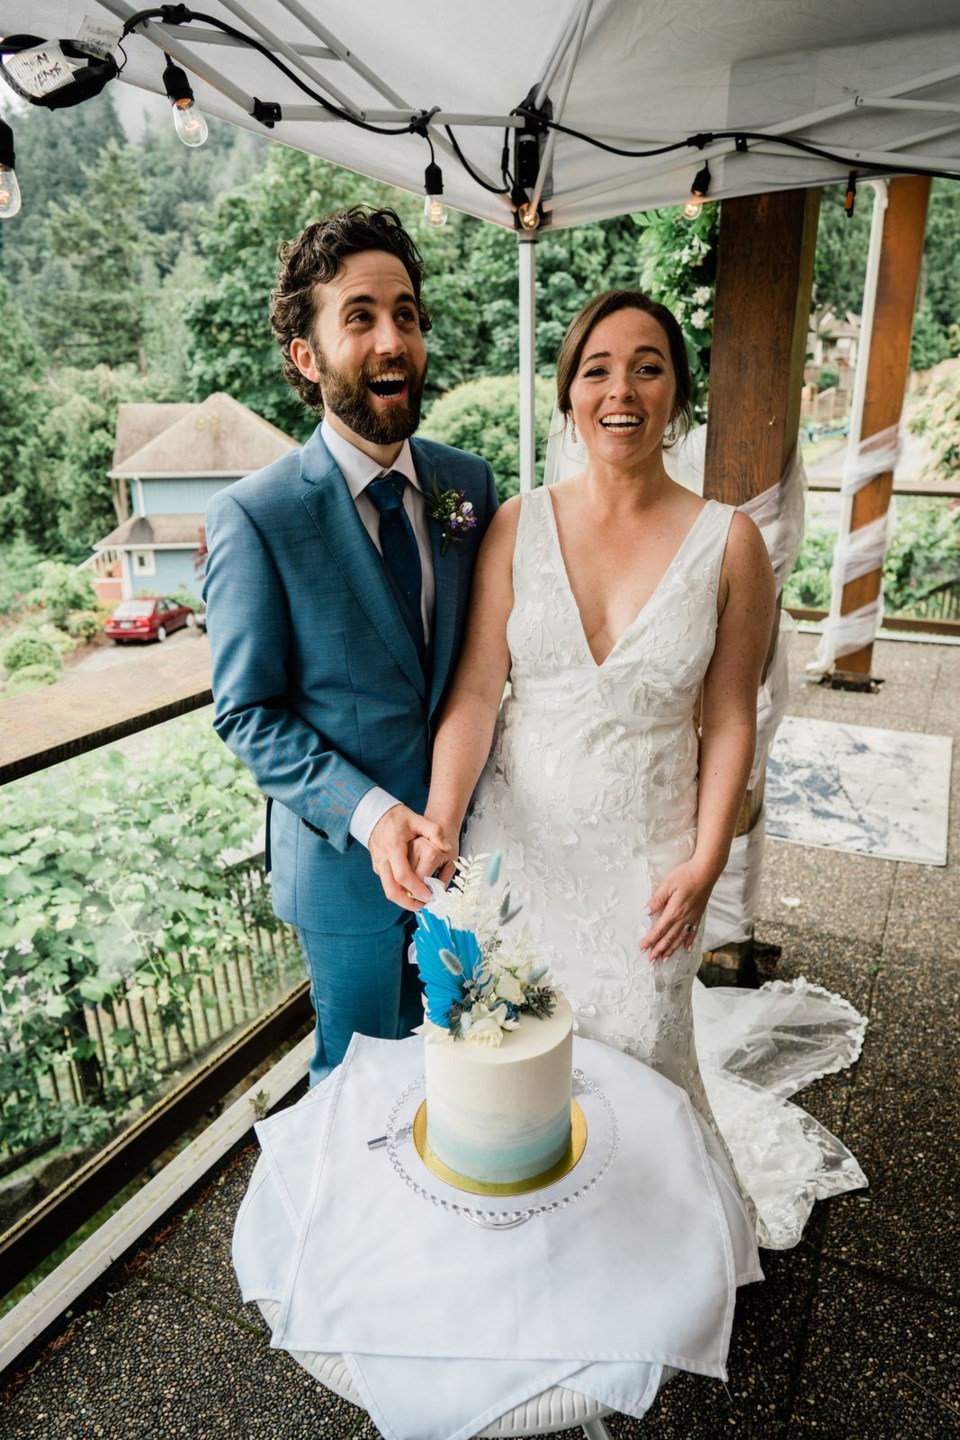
(676, 908)
(426, 859)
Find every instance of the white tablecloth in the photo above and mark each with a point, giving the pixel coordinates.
(445, 1325)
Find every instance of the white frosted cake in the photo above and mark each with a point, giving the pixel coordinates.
(501, 1114)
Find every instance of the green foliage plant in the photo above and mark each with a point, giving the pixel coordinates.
(937, 418)
(678, 267)
(923, 560)
(483, 416)
(115, 881)
(26, 650)
(31, 677)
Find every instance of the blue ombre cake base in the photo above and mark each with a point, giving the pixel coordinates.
(541, 1160)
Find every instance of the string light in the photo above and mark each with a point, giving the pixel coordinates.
(187, 119)
(528, 215)
(434, 210)
(9, 188)
(850, 198)
(698, 192)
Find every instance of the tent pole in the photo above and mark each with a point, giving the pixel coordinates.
(526, 258)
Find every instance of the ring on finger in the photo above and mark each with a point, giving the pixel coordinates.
(688, 929)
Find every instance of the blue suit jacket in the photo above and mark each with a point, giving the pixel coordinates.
(316, 681)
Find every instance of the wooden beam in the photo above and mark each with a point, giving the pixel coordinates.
(888, 366)
(760, 325)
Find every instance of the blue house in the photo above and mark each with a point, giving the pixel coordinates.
(167, 462)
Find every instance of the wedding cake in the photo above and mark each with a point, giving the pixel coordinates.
(498, 1041)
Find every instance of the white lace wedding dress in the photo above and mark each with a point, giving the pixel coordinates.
(590, 794)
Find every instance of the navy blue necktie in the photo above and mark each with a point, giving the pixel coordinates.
(401, 555)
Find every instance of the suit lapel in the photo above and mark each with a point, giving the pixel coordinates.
(333, 511)
(446, 574)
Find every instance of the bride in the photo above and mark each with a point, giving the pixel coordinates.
(633, 619)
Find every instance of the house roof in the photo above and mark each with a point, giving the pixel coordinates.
(141, 532)
(219, 436)
(140, 422)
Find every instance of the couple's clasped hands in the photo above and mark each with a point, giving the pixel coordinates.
(405, 847)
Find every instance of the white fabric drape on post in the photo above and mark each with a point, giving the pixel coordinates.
(858, 553)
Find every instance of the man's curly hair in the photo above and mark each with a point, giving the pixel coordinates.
(316, 257)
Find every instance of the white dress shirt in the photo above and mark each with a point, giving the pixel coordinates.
(358, 469)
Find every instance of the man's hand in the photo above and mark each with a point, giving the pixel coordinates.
(389, 845)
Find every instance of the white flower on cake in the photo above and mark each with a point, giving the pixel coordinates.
(478, 975)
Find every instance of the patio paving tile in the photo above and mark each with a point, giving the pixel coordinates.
(881, 1362)
(839, 894)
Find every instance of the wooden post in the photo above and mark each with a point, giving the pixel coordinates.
(888, 365)
(760, 325)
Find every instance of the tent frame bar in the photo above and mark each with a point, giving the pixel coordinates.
(546, 160)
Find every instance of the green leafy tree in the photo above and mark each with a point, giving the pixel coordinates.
(64, 497)
(483, 416)
(103, 246)
(22, 367)
(840, 263)
(55, 156)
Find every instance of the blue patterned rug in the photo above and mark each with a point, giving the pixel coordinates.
(850, 787)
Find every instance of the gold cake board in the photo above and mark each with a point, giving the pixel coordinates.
(570, 1157)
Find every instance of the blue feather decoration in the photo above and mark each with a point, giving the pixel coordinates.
(437, 944)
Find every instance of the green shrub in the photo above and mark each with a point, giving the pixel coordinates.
(84, 624)
(63, 588)
(32, 650)
(31, 677)
(185, 597)
(484, 416)
(828, 377)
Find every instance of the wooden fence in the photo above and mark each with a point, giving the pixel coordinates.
(167, 1027)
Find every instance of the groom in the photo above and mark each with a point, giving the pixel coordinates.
(336, 591)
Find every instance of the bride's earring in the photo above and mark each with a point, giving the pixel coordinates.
(670, 434)
(573, 430)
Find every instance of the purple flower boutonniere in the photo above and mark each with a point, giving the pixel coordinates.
(453, 512)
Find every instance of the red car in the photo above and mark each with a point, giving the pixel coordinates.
(151, 618)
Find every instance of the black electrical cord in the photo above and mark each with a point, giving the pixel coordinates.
(700, 141)
(494, 189)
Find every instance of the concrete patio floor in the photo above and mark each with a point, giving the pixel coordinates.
(854, 1332)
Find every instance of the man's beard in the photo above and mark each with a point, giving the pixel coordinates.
(345, 395)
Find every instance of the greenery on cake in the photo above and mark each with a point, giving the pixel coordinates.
(478, 975)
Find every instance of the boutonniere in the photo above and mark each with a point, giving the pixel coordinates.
(452, 511)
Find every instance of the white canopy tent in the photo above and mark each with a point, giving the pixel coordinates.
(872, 81)
(873, 86)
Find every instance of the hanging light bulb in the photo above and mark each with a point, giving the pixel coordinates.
(529, 216)
(9, 188)
(187, 119)
(698, 192)
(434, 210)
